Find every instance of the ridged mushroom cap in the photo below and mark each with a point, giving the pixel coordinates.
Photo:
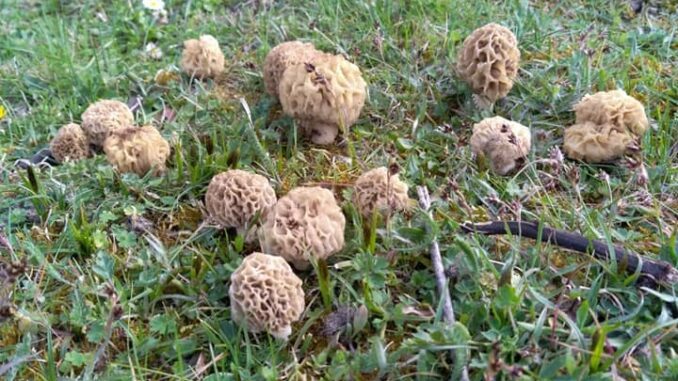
(235, 197)
(283, 56)
(488, 61)
(103, 117)
(69, 144)
(504, 143)
(606, 123)
(202, 58)
(323, 96)
(138, 150)
(305, 223)
(266, 295)
(376, 191)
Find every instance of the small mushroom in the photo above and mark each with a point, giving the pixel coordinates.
(606, 123)
(234, 198)
(505, 143)
(266, 295)
(378, 191)
(323, 96)
(70, 143)
(283, 56)
(488, 61)
(202, 58)
(305, 223)
(103, 117)
(138, 150)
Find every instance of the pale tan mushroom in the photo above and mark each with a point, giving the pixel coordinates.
(103, 117)
(323, 96)
(235, 198)
(504, 143)
(69, 144)
(266, 295)
(138, 150)
(378, 191)
(202, 58)
(305, 223)
(606, 124)
(283, 56)
(488, 61)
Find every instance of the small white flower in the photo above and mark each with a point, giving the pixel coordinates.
(154, 5)
(153, 51)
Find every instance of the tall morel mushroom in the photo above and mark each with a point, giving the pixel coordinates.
(503, 142)
(103, 117)
(202, 58)
(305, 223)
(234, 198)
(323, 96)
(488, 61)
(378, 191)
(138, 150)
(606, 124)
(266, 295)
(283, 56)
(70, 143)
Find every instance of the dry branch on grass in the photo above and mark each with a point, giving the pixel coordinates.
(654, 271)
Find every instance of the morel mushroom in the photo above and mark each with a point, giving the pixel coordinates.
(283, 56)
(505, 143)
(606, 124)
(266, 295)
(69, 144)
(138, 150)
(488, 61)
(323, 96)
(305, 223)
(378, 191)
(202, 58)
(103, 117)
(234, 198)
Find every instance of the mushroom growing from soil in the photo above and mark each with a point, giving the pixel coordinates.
(503, 142)
(283, 56)
(235, 198)
(305, 223)
(69, 144)
(488, 61)
(606, 123)
(266, 295)
(323, 96)
(103, 117)
(138, 150)
(202, 58)
(376, 190)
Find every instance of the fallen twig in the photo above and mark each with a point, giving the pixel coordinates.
(657, 271)
(439, 271)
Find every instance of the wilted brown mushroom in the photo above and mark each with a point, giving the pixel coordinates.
(202, 58)
(323, 96)
(488, 61)
(69, 144)
(138, 150)
(378, 191)
(305, 223)
(234, 198)
(266, 295)
(283, 56)
(503, 142)
(606, 124)
(103, 117)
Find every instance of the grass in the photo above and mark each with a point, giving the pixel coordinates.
(122, 265)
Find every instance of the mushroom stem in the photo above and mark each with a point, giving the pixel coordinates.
(439, 271)
(656, 271)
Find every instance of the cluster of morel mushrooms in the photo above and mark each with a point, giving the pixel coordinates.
(325, 93)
